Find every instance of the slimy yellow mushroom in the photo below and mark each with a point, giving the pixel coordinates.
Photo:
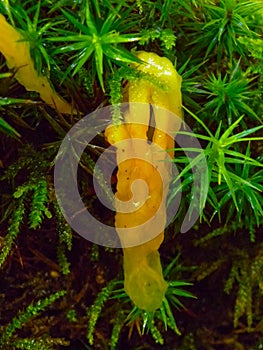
(17, 54)
(143, 277)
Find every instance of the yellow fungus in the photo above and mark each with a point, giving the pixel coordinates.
(143, 278)
(17, 54)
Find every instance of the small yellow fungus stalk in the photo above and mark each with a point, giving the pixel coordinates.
(17, 54)
(143, 278)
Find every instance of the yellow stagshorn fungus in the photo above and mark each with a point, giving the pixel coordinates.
(17, 54)
(143, 278)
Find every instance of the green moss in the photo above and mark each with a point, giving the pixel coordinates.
(86, 50)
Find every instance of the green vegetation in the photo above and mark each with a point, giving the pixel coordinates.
(59, 291)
